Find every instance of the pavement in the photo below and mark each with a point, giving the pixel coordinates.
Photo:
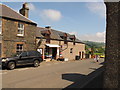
(54, 74)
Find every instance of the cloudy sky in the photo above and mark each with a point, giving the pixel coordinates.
(84, 19)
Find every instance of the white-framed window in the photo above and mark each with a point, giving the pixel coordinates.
(0, 25)
(19, 48)
(20, 29)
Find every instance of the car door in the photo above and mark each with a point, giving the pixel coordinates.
(31, 56)
(23, 59)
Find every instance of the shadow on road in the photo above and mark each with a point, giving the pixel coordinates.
(92, 80)
(18, 67)
(102, 63)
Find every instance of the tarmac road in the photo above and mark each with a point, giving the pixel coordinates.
(55, 74)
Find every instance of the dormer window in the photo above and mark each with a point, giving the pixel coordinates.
(46, 34)
(48, 40)
(72, 37)
(20, 29)
(65, 38)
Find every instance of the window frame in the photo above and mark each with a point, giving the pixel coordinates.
(47, 36)
(65, 40)
(20, 30)
(47, 40)
(71, 50)
(18, 48)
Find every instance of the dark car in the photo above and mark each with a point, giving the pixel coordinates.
(25, 58)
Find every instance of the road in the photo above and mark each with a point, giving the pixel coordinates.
(53, 74)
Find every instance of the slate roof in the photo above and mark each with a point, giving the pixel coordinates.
(54, 34)
(7, 12)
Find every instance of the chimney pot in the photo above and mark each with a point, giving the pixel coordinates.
(24, 10)
(49, 27)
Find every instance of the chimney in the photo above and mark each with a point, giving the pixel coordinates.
(48, 27)
(24, 10)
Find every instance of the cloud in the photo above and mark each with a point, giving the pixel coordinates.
(31, 6)
(100, 34)
(97, 37)
(97, 8)
(73, 33)
(51, 14)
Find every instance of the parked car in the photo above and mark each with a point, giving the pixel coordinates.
(25, 58)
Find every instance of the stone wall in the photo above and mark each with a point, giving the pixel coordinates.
(112, 60)
(10, 38)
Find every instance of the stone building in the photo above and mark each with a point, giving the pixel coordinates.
(53, 43)
(17, 33)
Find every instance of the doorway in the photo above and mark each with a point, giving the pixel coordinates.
(80, 54)
(54, 53)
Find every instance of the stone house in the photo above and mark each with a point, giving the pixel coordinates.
(53, 43)
(17, 32)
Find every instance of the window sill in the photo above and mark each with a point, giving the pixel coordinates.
(20, 35)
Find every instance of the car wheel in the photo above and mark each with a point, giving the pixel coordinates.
(36, 63)
(11, 65)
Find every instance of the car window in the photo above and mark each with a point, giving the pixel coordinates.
(38, 53)
(30, 54)
(23, 54)
(33, 53)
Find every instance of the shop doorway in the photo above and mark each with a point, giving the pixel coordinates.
(54, 53)
(50, 52)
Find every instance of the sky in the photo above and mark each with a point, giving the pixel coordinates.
(87, 20)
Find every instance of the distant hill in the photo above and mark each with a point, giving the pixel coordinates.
(94, 47)
(94, 44)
